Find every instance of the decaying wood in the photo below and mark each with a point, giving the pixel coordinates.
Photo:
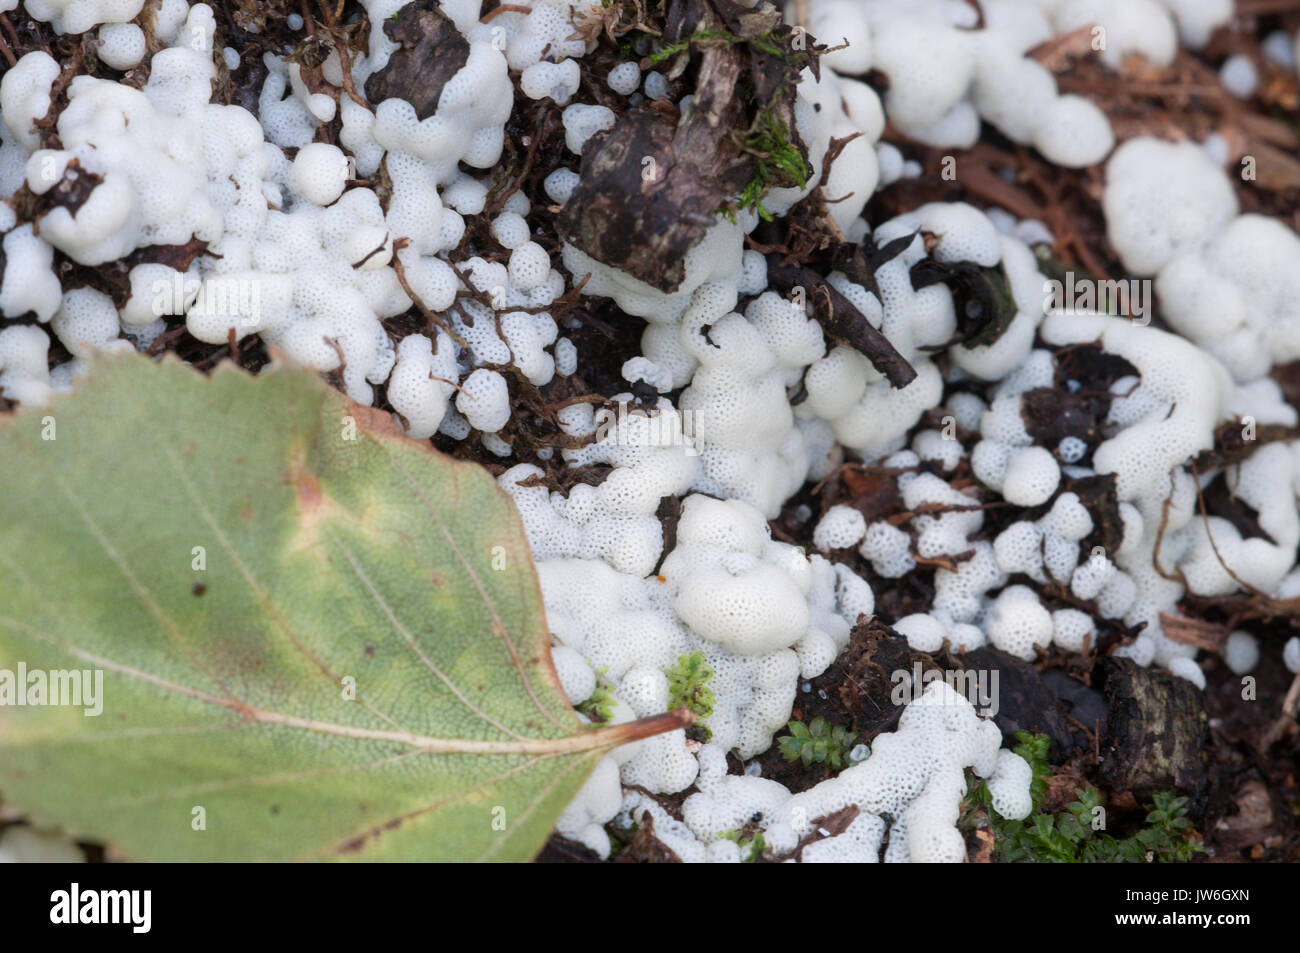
(1024, 701)
(652, 185)
(1156, 731)
(644, 217)
(431, 52)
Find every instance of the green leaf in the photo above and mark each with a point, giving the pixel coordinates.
(334, 549)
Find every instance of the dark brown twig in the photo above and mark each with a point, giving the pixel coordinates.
(345, 56)
(842, 321)
(8, 53)
(430, 318)
(543, 127)
(1205, 517)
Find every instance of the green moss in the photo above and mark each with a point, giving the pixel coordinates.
(765, 42)
(751, 848)
(778, 162)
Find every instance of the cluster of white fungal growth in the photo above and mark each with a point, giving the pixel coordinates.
(737, 398)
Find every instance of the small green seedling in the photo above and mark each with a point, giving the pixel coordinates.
(819, 742)
(751, 848)
(1072, 836)
(688, 685)
(600, 706)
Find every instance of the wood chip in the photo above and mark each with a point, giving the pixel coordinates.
(1187, 631)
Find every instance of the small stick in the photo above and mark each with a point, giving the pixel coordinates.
(1160, 538)
(504, 8)
(543, 126)
(1290, 705)
(9, 30)
(1205, 517)
(8, 53)
(841, 320)
(345, 57)
(429, 316)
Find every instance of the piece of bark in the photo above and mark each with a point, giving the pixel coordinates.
(1275, 170)
(669, 514)
(1078, 402)
(643, 217)
(1157, 729)
(832, 825)
(872, 491)
(981, 847)
(1186, 630)
(431, 52)
(1101, 499)
(177, 257)
(1051, 414)
(1024, 701)
(652, 185)
(1078, 701)
(649, 188)
(561, 850)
